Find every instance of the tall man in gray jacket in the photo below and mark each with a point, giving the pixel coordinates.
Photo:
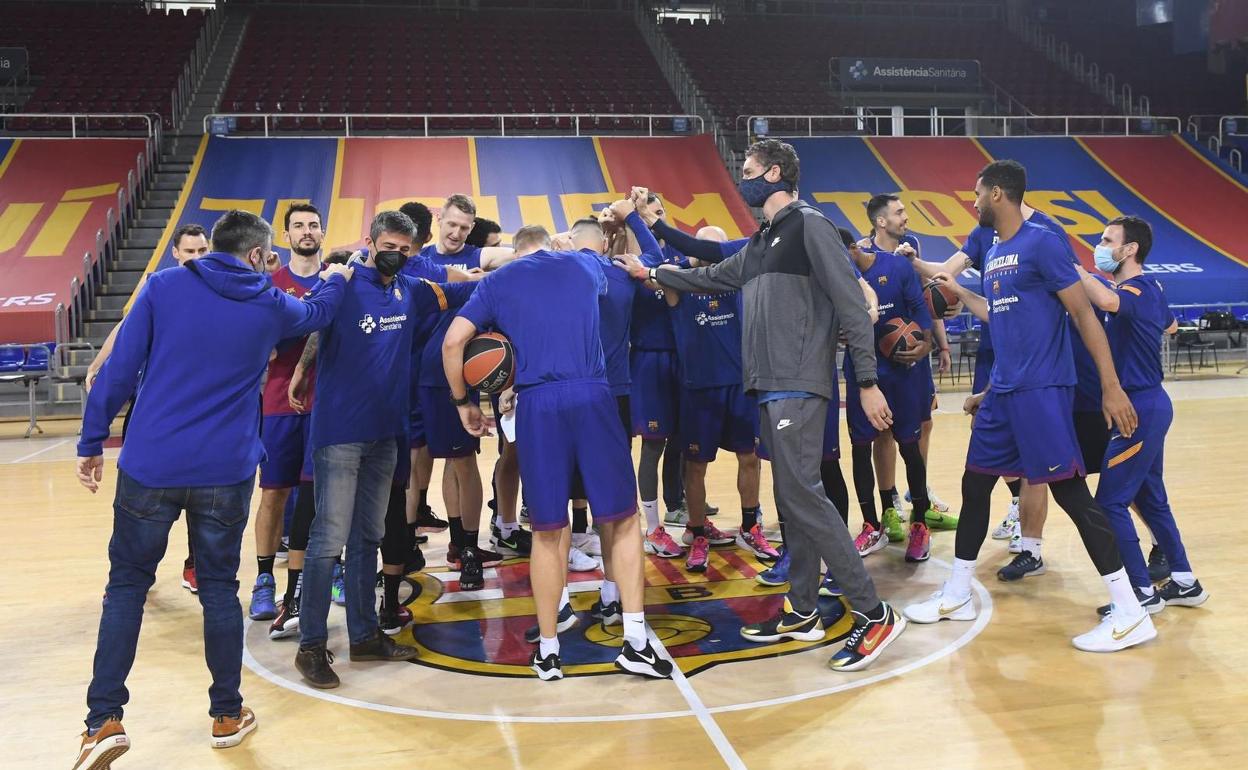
(798, 288)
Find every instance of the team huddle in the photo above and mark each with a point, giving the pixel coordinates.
(624, 326)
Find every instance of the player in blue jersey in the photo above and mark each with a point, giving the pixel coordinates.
(1024, 426)
(905, 381)
(567, 427)
(462, 488)
(1132, 469)
(362, 393)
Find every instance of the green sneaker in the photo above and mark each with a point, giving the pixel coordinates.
(937, 520)
(894, 530)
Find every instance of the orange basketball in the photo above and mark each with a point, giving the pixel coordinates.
(489, 363)
(898, 335)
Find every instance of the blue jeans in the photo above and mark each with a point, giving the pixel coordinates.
(352, 483)
(142, 518)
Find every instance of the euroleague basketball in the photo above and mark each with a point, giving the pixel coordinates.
(489, 363)
(942, 300)
(899, 335)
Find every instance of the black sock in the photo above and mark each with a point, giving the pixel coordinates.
(749, 517)
(390, 591)
(294, 582)
(886, 498)
(877, 613)
(470, 538)
(580, 520)
(412, 533)
(1016, 487)
(457, 531)
(864, 484)
(265, 565)
(422, 503)
(698, 531)
(780, 518)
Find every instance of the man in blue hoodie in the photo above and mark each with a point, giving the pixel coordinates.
(201, 335)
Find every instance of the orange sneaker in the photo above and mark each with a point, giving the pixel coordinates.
(98, 751)
(230, 731)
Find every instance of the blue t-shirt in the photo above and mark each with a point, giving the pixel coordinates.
(420, 265)
(430, 373)
(1135, 332)
(615, 315)
(900, 295)
(364, 358)
(1032, 338)
(1087, 377)
(708, 339)
(547, 304)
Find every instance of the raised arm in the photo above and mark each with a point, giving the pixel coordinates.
(707, 251)
(1100, 295)
(494, 257)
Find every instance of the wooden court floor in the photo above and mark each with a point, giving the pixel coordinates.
(1008, 691)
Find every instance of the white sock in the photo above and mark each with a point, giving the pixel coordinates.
(1014, 501)
(609, 592)
(651, 509)
(547, 647)
(1032, 544)
(1121, 594)
(959, 585)
(1146, 590)
(1152, 538)
(508, 527)
(564, 599)
(1184, 579)
(635, 629)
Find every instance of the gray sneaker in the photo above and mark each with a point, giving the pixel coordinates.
(677, 517)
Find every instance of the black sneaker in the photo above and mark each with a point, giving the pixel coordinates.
(868, 640)
(381, 647)
(428, 521)
(1192, 596)
(524, 513)
(283, 549)
(643, 662)
(314, 667)
(1021, 566)
(1158, 565)
(287, 621)
(393, 621)
(471, 573)
(518, 543)
(547, 668)
(415, 561)
(1151, 604)
(567, 620)
(611, 614)
(487, 558)
(787, 625)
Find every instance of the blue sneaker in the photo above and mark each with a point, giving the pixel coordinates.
(263, 595)
(829, 586)
(778, 575)
(338, 592)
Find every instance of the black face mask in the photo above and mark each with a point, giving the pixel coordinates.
(389, 263)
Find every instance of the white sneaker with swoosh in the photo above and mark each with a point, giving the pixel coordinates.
(1117, 631)
(940, 607)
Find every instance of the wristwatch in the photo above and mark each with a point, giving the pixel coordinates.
(866, 382)
(654, 271)
(465, 401)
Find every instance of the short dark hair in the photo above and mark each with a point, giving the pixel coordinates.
(481, 230)
(391, 222)
(238, 232)
(1009, 175)
(185, 230)
(530, 235)
(847, 237)
(1135, 230)
(338, 257)
(878, 204)
(420, 214)
(461, 202)
(773, 152)
(297, 207)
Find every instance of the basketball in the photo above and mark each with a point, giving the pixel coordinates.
(942, 300)
(489, 363)
(900, 334)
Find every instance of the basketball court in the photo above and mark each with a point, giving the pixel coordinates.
(1005, 691)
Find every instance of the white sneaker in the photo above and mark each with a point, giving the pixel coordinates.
(587, 543)
(678, 517)
(901, 511)
(937, 503)
(579, 561)
(938, 608)
(1016, 539)
(1116, 632)
(1007, 526)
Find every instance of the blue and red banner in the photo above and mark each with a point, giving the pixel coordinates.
(54, 194)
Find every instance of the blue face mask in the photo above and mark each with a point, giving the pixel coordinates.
(1105, 261)
(756, 191)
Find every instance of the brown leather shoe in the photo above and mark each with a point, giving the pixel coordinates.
(230, 731)
(98, 751)
(313, 665)
(381, 647)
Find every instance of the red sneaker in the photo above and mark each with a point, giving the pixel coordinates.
(188, 579)
(699, 552)
(754, 541)
(920, 545)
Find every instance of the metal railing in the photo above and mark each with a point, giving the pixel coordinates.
(1004, 125)
(269, 121)
(1236, 158)
(79, 126)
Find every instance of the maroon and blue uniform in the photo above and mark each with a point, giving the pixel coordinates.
(1132, 470)
(283, 431)
(906, 387)
(567, 422)
(443, 431)
(1024, 426)
(715, 412)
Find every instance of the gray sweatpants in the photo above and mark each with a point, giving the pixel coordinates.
(792, 429)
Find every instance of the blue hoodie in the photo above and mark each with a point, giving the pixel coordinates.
(201, 335)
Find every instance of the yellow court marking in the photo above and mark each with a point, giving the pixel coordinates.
(602, 166)
(7, 160)
(474, 170)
